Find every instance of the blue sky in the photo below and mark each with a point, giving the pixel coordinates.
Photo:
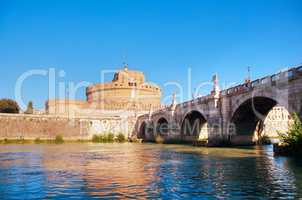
(161, 38)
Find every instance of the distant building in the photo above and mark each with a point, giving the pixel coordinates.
(38, 112)
(277, 120)
(128, 91)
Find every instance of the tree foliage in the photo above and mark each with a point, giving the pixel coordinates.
(103, 138)
(59, 139)
(294, 135)
(9, 106)
(120, 138)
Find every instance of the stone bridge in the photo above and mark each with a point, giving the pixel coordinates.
(234, 115)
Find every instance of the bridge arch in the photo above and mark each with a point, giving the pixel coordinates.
(249, 116)
(142, 133)
(162, 126)
(145, 131)
(194, 126)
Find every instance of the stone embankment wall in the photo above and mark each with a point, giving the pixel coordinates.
(18, 126)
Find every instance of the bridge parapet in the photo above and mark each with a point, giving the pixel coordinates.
(163, 108)
(288, 75)
(193, 102)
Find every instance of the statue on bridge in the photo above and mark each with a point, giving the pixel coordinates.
(216, 89)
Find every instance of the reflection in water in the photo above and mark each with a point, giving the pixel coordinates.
(87, 171)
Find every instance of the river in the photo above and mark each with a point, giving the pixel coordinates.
(146, 171)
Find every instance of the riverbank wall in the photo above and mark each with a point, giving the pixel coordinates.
(47, 127)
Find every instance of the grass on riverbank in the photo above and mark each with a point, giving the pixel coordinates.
(102, 138)
(57, 140)
(108, 138)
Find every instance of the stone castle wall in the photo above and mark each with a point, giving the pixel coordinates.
(127, 97)
(17, 126)
(128, 90)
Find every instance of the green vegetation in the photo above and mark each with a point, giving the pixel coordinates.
(291, 142)
(96, 138)
(294, 136)
(120, 138)
(108, 138)
(14, 141)
(81, 141)
(135, 140)
(59, 139)
(30, 108)
(9, 106)
(38, 141)
(103, 138)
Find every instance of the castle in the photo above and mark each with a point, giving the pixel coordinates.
(128, 92)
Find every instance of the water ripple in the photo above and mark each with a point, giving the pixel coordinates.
(135, 171)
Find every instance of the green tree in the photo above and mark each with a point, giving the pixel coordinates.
(9, 106)
(59, 139)
(294, 136)
(30, 108)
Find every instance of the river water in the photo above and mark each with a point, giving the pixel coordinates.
(146, 171)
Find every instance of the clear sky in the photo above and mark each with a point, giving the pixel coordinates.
(160, 37)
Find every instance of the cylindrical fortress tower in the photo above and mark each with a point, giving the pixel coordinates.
(128, 90)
